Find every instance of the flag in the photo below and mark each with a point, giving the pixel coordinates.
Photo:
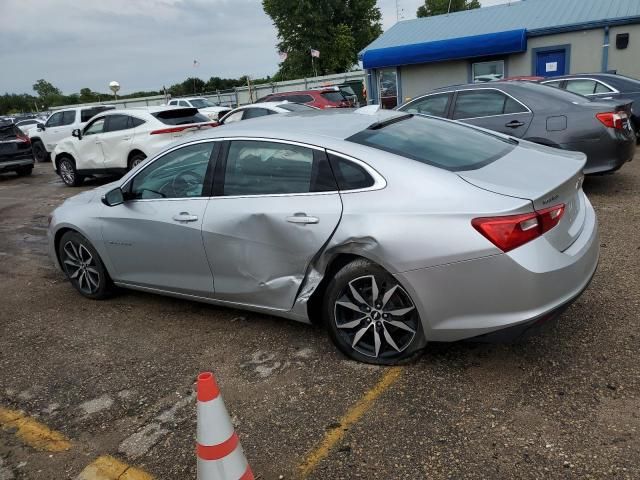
(315, 53)
(196, 63)
(283, 56)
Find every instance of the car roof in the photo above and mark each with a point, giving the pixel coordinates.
(337, 124)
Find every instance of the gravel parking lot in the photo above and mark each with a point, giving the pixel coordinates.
(115, 377)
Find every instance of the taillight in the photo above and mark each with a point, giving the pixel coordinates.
(612, 119)
(512, 231)
(23, 138)
(182, 128)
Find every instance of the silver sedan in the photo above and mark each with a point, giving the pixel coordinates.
(390, 229)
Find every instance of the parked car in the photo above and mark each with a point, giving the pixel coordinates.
(306, 216)
(119, 140)
(322, 98)
(262, 109)
(15, 150)
(26, 125)
(211, 110)
(541, 114)
(604, 86)
(59, 125)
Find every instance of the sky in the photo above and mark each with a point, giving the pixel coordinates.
(143, 44)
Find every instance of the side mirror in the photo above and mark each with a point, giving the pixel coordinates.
(77, 133)
(113, 197)
(41, 126)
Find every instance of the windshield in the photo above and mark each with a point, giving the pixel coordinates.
(435, 142)
(201, 103)
(295, 107)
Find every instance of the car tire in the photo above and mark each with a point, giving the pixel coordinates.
(83, 267)
(136, 160)
(40, 153)
(384, 330)
(24, 171)
(68, 173)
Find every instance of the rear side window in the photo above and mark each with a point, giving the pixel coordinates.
(135, 122)
(484, 103)
(435, 142)
(68, 117)
(269, 168)
(349, 175)
(601, 88)
(582, 87)
(182, 116)
(296, 107)
(87, 113)
(333, 96)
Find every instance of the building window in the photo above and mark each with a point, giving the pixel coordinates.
(487, 71)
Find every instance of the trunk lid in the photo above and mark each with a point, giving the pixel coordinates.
(546, 177)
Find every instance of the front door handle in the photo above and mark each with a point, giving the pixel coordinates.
(185, 217)
(302, 218)
(514, 124)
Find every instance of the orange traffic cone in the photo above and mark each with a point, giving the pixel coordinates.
(220, 456)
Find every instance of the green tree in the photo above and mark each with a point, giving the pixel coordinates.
(45, 89)
(339, 29)
(87, 96)
(440, 7)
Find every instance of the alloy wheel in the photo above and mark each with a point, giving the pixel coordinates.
(80, 266)
(137, 161)
(378, 321)
(67, 172)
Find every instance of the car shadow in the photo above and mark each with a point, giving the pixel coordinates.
(608, 184)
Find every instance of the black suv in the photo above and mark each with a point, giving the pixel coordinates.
(15, 150)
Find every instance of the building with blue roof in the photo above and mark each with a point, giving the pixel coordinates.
(524, 38)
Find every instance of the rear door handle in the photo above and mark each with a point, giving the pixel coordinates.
(514, 124)
(302, 218)
(185, 217)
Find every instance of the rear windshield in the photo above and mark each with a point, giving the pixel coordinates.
(180, 116)
(295, 107)
(87, 113)
(333, 96)
(201, 103)
(435, 142)
(8, 131)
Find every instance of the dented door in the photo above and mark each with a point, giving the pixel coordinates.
(268, 221)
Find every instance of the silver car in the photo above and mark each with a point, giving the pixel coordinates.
(392, 230)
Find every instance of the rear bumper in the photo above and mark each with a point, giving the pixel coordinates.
(607, 154)
(10, 165)
(514, 290)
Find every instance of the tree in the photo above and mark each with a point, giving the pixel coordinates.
(339, 29)
(87, 96)
(440, 7)
(45, 89)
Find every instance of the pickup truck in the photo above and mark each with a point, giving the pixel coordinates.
(59, 125)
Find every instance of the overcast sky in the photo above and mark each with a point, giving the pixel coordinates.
(143, 44)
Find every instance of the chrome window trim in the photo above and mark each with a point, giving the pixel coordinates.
(379, 182)
(490, 116)
(613, 90)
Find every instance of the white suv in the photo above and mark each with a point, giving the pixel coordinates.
(59, 125)
(214, 112)
(118, 140)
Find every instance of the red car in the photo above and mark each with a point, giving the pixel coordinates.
(322, 98)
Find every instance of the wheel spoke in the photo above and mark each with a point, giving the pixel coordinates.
(388, 294)
(350, 306)
(351, 324)
(76, 273)
(93, 270)
(389, 338)
(94, 281)
(374, 290)
(81, 280)
(376, 341)
(72, 253)
(71, 262)
(85, 255)
(359, 334)
(356, 295)
(401, 311)
(401, 326)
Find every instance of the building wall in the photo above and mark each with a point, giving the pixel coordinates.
(419, 79)
(586, 52)
(626, 62)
